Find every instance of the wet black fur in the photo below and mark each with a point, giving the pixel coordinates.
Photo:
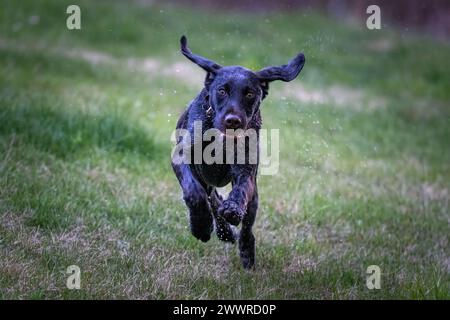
(229, 91)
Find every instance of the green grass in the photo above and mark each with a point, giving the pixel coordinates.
(85, 174)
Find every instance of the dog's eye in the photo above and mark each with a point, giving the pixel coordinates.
(249, 95)
(222, 92)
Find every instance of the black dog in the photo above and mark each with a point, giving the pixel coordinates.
(230, 100)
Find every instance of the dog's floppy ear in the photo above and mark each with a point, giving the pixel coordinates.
(209, 66)
(287, 72)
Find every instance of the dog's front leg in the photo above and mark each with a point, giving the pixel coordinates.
(196, 199)
(234, 207)
(242, 204)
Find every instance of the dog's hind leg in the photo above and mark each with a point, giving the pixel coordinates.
(196, 199)
(225, 232)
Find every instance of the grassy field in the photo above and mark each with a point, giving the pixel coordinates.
(85, 178)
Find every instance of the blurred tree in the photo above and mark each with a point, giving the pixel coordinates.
(431, 16)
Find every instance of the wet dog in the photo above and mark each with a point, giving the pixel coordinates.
(230, 100)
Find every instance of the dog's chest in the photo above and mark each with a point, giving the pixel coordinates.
(218, 175)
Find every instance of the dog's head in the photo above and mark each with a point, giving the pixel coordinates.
(235, 92)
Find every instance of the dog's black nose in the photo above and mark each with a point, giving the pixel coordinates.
(232, 122)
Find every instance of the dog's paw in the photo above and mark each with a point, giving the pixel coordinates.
(231, 212)
(226, 232)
